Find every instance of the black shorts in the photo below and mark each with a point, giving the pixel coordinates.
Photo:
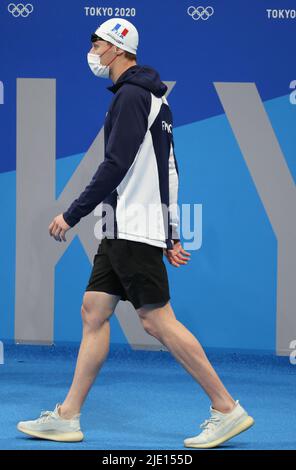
(133, 270)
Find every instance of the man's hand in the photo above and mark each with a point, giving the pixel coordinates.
(177, 255)
(58, 228)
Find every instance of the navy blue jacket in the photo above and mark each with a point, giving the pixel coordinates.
(138, 179)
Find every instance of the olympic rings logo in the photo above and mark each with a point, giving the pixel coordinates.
(20, 9)
(200, 12)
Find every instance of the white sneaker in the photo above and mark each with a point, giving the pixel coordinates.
(221, 427)
(51, 426)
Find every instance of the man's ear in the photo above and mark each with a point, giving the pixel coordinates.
(119, 50)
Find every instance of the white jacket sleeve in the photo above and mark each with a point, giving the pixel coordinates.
(173, 195)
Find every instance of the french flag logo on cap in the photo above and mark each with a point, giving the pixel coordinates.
(120, 30)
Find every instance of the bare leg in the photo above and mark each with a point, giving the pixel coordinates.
(97, 307)
(159, 320)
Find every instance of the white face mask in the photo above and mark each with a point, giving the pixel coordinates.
(94, 62)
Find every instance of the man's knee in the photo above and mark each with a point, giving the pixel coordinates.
(148, 326)
(153, 317)
(93, 312)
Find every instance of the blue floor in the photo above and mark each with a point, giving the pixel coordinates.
(146, 400)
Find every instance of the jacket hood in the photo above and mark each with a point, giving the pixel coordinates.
(141, 75)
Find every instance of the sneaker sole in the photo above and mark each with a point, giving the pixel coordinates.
(241, 427)
(63, 437)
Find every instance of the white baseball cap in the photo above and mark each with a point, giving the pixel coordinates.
(119, 32)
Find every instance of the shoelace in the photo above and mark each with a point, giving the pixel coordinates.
(44, 416)
(210, 423)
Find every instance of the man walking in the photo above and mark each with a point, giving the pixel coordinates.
(138, 185)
